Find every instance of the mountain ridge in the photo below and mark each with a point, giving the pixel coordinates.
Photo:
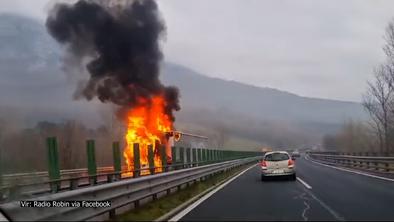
(171, 63)
(225, 106)
(260, 99)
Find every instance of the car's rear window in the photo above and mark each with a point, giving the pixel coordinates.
(276, 157)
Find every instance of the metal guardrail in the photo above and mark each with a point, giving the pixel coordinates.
(29, 185)
(77, 179)
(376, 163)
(17, 178)
(120, 193)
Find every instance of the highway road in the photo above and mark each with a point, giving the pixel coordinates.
(320, 193)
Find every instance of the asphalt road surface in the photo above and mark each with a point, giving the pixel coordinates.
(320, 193)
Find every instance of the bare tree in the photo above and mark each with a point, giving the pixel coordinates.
(388, 48)
(378, 102)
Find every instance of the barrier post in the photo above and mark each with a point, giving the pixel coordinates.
(53, 163)
(92, 167)
(151, 159)
(136, 160)
(117, 160)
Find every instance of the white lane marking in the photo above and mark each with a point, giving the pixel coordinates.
(352, 171)
(304, 183)
(329, 209)
(199, 201)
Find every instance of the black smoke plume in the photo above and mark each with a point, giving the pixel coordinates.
(120, 39)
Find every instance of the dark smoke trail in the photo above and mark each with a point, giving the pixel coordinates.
(121, 39)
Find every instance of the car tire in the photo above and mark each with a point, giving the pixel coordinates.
(262, 177)
(293, 177)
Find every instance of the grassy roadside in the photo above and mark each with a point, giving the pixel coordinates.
(155, 209)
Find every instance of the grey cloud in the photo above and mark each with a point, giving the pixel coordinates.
(322, 48)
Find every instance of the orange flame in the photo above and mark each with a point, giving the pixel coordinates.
(147, 125)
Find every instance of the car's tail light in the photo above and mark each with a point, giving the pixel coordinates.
(263, 165)
(290, 164)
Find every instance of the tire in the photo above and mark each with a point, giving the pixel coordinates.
(262, 177)
(293, 177)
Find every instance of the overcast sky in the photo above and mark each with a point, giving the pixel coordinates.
(313, 48)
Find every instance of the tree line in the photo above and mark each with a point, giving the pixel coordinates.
(24, 150)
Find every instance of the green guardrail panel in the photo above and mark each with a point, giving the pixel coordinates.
(181, 156)
(136, 160)
(151, 159)
(188, 156)
(92, 166)
(53, 159)
(163, 156)
(116, 156)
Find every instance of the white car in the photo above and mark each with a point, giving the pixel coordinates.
(277, 163)
(295, 154)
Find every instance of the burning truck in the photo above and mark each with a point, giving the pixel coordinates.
(148, 124)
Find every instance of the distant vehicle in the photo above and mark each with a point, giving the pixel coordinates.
(296, 154)
(266, 149)
(277, 163)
